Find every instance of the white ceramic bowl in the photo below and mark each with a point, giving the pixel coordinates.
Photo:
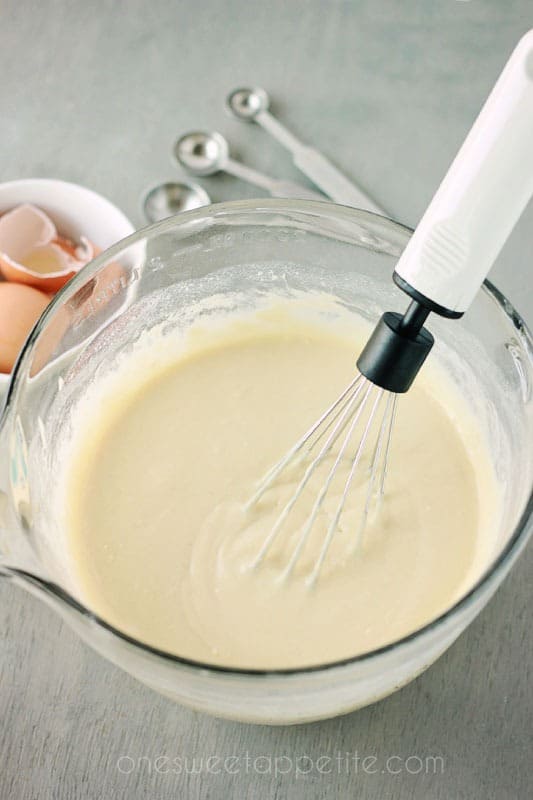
(75, 210)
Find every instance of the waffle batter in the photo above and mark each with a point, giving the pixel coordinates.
(161, 545)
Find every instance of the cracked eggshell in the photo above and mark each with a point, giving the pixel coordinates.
(33, 252)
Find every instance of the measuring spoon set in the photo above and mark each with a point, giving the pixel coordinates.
(203, 154)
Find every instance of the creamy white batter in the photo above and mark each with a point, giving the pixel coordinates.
(161, 543)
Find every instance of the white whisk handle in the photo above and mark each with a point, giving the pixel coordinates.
(481, 197)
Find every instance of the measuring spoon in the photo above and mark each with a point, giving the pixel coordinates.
(252, 105)
(167, 199)
(207, 153)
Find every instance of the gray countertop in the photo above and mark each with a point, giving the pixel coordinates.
(95, 93)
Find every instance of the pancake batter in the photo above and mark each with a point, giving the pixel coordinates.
(161, 546)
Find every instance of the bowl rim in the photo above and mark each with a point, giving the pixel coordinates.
(68, 186)
(518, 539)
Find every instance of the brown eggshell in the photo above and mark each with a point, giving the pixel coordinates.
(50, 284)
(27, 233)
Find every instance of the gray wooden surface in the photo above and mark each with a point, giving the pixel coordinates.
(95, 93)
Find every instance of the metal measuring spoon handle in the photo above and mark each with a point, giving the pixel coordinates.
(252, 105)
(277, 188)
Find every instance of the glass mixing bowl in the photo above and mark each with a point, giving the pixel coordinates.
(231, 253)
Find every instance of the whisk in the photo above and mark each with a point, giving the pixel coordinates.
(443, 266)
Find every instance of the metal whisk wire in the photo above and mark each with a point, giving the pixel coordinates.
(385, 432)
(342, 417)
(329, 416)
